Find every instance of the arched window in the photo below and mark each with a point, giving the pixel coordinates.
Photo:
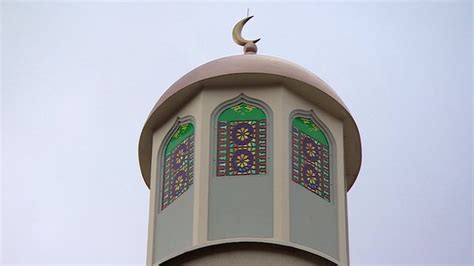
(310, 156)
(178, 162)
(241, 139)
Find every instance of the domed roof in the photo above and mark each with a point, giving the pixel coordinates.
(253, 69)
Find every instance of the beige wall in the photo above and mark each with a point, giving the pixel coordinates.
(282, 102)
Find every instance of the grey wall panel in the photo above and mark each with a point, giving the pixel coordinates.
(313, 221)
(240, 206)
(174, 226)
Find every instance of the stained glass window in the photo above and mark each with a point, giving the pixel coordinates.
(310, 157)
(178, 164)
(241, 141)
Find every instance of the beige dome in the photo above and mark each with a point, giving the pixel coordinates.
(252, 69)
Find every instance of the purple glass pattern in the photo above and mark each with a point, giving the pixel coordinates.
(178, 171)
(241, 148)
(310, 163)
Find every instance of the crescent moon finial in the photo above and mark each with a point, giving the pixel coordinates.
(237, 35)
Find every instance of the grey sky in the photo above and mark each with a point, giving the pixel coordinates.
(79, 79)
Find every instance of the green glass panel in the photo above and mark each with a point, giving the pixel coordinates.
(242, 111)
(309, 127)
(178, 136)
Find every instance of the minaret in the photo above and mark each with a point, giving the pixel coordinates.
(248, 159)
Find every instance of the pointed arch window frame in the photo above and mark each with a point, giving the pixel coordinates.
(242, 98)
(161, 159)
(332, 152)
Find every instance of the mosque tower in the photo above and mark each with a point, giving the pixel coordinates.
(248, 159)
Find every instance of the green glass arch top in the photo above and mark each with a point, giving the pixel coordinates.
(310, 128)
(242, 112)
(181, 133)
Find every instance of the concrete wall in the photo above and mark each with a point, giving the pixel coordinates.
(174, 226)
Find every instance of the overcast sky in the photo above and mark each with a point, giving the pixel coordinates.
(78, 81)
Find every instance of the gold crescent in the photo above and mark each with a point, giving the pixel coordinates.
(237, 32)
